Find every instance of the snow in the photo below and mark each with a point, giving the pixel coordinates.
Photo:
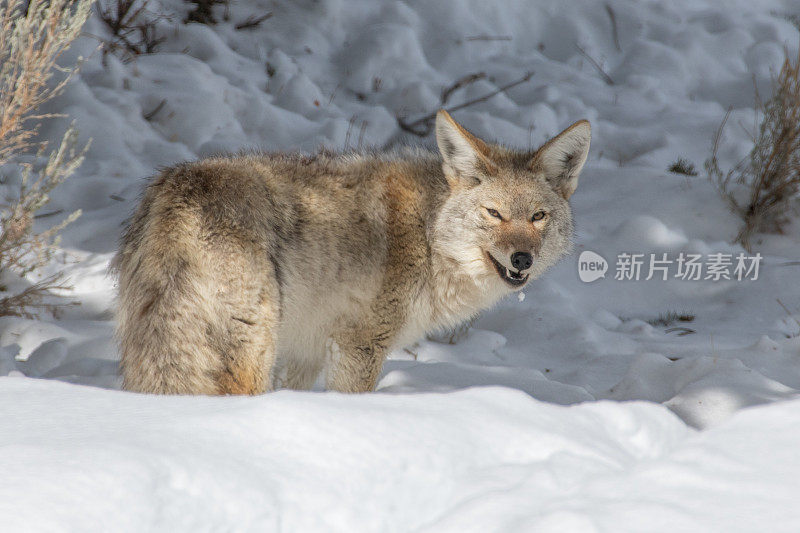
(567, 408)
(488, 459)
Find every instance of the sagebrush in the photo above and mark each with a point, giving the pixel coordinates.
(770, 175)
(33, 35)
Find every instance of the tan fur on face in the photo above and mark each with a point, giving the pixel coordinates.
(519, 236)
(237, 274)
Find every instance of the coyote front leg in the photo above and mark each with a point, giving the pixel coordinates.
(358, 350)
(356, 358)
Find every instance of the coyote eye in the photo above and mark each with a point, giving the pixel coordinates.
(538, 215)
(495, 213)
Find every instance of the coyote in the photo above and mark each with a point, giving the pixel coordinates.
(242, 274)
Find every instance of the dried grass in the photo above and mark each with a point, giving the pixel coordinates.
(770, 174)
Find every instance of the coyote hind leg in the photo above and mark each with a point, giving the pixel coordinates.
(247, 355)
(198, 326)
(247, 342)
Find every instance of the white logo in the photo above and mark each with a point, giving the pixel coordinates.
(591, 266)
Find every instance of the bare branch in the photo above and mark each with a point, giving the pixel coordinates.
(422, 127)
(459, 83)
(596, 65)
(252, 21)
(151, 115)
(614, 29)
(788, 313)
(489, 38)
(133, 26)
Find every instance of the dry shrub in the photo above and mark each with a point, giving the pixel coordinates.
(32, 37)
(683, 166)
(771, 172)
(133, 26)
(203, 11)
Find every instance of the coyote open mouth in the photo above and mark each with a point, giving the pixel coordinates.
(515, 279)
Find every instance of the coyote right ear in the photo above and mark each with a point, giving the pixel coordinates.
(562, 157)
(465, 156)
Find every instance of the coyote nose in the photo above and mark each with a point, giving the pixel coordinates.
(521, 260)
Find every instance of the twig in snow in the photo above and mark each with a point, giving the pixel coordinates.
(133, 26)
(485, 97)
(459, 83)
(51, 213)
(596, 65)
(787, 311)
(413, 354)
(680, 330)
(489, 38)
(614, 29)
(149, 116)
(361, 133)
(252, 21)
(423, 126)
(350, 124)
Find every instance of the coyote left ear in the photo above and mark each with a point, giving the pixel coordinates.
(465, 156)
(562, 157)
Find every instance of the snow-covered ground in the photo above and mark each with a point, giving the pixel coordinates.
(429, 450)
(488, 459)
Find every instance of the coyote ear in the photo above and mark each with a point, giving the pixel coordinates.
(562, 157)
(465, 156)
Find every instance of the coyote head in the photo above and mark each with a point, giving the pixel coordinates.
(507, 217)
